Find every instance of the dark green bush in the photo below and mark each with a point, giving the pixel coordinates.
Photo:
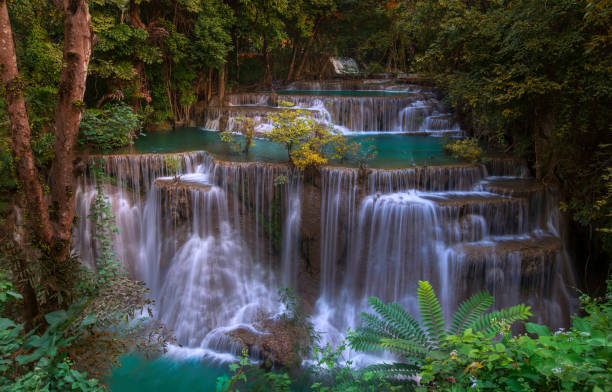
(112, 127)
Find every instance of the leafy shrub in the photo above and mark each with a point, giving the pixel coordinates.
(464, 149)
(247, 376)
(332, 373)
(395, 331)
(30, 362)
(113, 127)
(246, 128)
(573, 360)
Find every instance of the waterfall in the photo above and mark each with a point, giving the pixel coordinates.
(207, 242)
(215, 241)
(410, 110)
(339, 187)
(464, 228)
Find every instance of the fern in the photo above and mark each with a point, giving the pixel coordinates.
(469, 311)
(405, 347)
(393, 369)
(494, 323)
(395, 331)
(431, 312)
(400, 322)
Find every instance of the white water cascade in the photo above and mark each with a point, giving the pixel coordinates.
(198, 241)
(215, 242)
(412, 109)
(460, 228)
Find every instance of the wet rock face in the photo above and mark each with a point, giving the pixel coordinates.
(277, 341)
(310, 245)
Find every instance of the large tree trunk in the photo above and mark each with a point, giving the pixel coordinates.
(292, 64)
(68, 110)
(50, 226)
(268, 71)
(298, 74)
(222, 86)
(20, 127)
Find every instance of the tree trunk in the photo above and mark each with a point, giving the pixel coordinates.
(20, 127)
(222, 86)
(292, 64)
(268, 73)
(135, 20)
(68, 110)
(209, 86)
(298, 74)
(51, 230)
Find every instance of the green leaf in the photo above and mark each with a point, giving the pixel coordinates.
(431, 312)
(537, 329)
(57, 317)
(469, 311)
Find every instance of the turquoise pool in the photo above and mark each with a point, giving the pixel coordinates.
(164, 375)
(394, 150)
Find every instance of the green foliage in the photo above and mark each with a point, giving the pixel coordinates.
(330, 373)
(105, 229)
(46, 368)
(212, 40)
(573, 360)
(7, 179)
(294, 313)
(394, 330)
(466, 149)
(174, 165)
(110, 128)
(361, 153)
(244, 140)
(249, 377)
(333, 373)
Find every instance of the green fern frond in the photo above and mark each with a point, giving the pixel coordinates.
(431, 312)
(393, 369)
(407, 324)
(407, 348)
(494, 323)
(399, 323)
(377, 324)
(366, 339)
(470, 310)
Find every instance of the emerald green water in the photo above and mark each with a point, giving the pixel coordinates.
(163, 375)
(346, 93)
(394, 150)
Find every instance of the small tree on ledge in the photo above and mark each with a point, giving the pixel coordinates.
(309, 143)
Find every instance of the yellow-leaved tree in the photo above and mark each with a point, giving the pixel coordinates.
(309, 143)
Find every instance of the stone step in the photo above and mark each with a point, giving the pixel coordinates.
(521, 187)
(469, 199)
(469, 216)
(528, 255)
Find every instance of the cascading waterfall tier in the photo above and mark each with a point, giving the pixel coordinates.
(412, 110)
(208, 240)
(215, 240)
(464, 228)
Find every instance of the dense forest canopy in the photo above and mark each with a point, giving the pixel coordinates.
(529, 78)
